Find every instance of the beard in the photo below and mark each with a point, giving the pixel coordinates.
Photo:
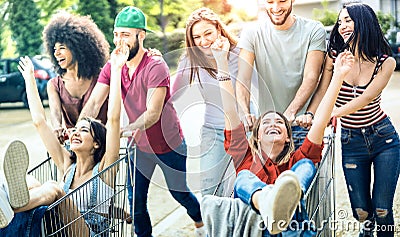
(280, 22)
(134, 49)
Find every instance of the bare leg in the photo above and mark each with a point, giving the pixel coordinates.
(45, 194)
(32, 182)
(70, 214)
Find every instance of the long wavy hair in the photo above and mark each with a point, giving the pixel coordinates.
(196, 57)
(83, 38)
(368, 38)
(254, 141)
(98, 132)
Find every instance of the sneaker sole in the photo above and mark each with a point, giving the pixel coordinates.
(6, 213)
(287, 199)
(4, 217)
(16, 163)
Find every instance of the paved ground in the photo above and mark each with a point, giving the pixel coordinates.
(168, 218)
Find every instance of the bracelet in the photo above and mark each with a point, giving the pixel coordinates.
(310, 113)
(223, 77)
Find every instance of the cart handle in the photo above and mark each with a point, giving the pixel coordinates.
(135, 134)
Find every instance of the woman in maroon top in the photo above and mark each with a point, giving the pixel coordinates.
(78, 50)
(271, 175)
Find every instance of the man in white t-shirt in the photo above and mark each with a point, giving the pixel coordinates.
(288, 52)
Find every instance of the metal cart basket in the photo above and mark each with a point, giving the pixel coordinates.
(104, 215)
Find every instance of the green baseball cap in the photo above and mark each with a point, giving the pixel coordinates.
(131, 17)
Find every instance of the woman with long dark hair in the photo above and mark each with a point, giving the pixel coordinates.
(368, 136)
(93, 148)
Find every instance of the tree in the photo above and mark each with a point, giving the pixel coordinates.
(2, 26)
(325, 16)
(166, 15)
(99, 10)
(24, 22)
(218, 6)
(386, 20)
(49, 7)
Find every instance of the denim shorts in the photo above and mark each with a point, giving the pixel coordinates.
(97, 224)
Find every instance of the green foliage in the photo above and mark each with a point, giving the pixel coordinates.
(166, 16)
(99, 10)
(175, 12)
(24, 22)
(2, 47)
(2, 26)
(386, 20)
(325, 16)
(175, 42)
(49, 7)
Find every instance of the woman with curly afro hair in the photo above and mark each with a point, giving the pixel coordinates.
(78, 49)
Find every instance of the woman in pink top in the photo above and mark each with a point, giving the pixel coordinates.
(78, 49)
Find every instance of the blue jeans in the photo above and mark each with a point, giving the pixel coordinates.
(173, 166)
(299, 134)
(215, 164)
(248, 183)
(379, 145)
(25, 224)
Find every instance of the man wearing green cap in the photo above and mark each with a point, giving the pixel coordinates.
(145, 92)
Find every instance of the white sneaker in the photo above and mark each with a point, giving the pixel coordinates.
(6, 212)
(278, 202)
(200, 232)
(16, 161)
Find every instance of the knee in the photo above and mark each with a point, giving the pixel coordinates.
(381, 212)
(307, 164)
(244, 176)
(245, 173)
(52, 191)
(181, 197)
(362, 215)
(32, 182)
(140, 205)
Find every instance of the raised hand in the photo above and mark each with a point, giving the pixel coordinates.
(344, 62)
(220, 48)
(119, 56)
(26, 68)
(248, 121)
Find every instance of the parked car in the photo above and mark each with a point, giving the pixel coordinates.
(394, 41)
(396, 54)
(12, 85)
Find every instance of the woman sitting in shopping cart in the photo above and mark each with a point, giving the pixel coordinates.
(94, 148)
(272, 177)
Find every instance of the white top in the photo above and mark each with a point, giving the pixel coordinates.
(209, 89)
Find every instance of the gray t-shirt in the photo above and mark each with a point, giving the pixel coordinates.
(280, 57)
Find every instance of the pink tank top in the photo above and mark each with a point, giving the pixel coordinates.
(71, 106)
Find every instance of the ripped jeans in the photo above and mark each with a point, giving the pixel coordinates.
(379, 145)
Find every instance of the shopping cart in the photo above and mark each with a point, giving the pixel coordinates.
(320, 197)
(106, 216)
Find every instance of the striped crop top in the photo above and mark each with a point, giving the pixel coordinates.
(369, 114)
